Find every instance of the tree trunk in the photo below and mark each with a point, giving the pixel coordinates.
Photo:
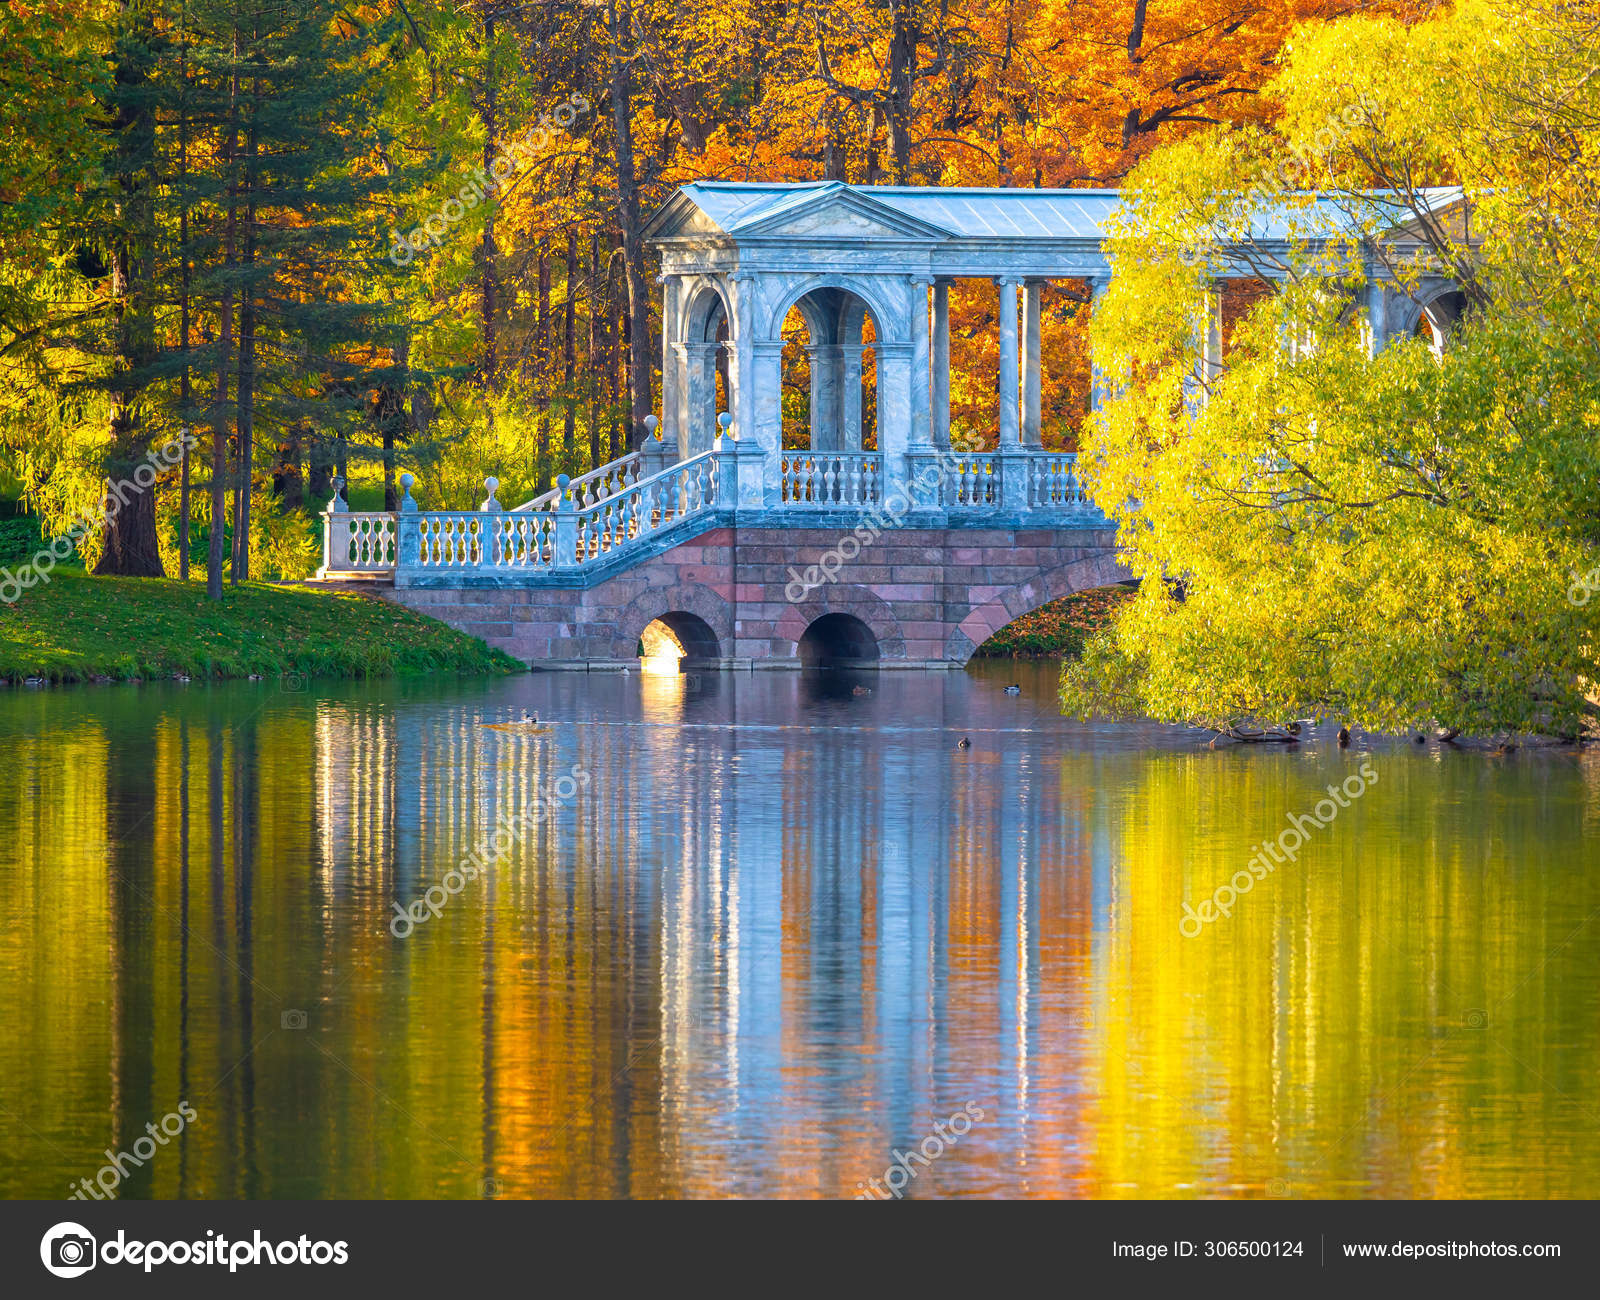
(903, 39)
(619, 20)
(569, 350)
(185, 391)
(219, 407)
(591, 370)
(488, 250)
(288, 476)
(130, 543)
(130, 534)
(319, 476)
(542, 369)
(247, 357)
(614, 359)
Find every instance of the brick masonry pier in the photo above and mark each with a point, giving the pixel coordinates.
(736, 597)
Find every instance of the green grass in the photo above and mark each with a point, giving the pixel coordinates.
(81, 628)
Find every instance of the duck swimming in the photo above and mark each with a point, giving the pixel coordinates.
(526, 720)
(862, 690)
(963, 743)
(1013, 690)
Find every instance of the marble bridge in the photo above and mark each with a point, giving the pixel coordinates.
(716, 542)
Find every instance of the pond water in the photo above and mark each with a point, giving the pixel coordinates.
(756, 934)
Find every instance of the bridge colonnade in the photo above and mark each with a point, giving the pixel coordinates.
(737, 257)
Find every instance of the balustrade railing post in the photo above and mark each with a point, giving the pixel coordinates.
(566, 529)
(408, 533)
(727, 467)
(489, 508)
(1014, 464)
(335, 539)
(929, 470)
(749, 463)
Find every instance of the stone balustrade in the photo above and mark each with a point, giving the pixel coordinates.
(580, 529)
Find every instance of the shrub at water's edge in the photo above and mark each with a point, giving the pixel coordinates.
(78, 628)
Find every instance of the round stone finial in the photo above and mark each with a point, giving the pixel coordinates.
(725, 419)
(406, 480)
(563, 481)
(491, 483)
(650, 423)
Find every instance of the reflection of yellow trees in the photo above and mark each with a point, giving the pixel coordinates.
(756, 979)
(56, 954)
(1328, 1034)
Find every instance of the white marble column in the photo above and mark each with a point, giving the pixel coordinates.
(895, 376)
(1207, 346)
(1010, 427)
(765, 402)
(941, 363)
(1032, 383)
(827, 361)
(672, 420)
(697, 397)
(921, 406)
(1100, 387)
(850, 396)
(1213, 355)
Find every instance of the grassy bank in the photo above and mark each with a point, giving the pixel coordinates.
(1059, 629)
(79, 628)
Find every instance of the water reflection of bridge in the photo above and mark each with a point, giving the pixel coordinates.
(778, 937)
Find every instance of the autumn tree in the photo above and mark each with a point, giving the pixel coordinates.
(1397, 537)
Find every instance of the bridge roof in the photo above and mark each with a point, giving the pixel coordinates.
(976, 226)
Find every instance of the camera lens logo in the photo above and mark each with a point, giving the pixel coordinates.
(68, 1250)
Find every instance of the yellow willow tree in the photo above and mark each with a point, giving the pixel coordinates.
(1395, 538)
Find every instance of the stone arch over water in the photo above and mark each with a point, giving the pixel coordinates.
(837, 640)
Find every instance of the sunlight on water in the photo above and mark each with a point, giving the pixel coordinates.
(753, 934)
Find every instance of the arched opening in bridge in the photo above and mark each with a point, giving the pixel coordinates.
(702, 377)
(1059, 626)
(838, 641)
(830, 376)
(677, 641)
